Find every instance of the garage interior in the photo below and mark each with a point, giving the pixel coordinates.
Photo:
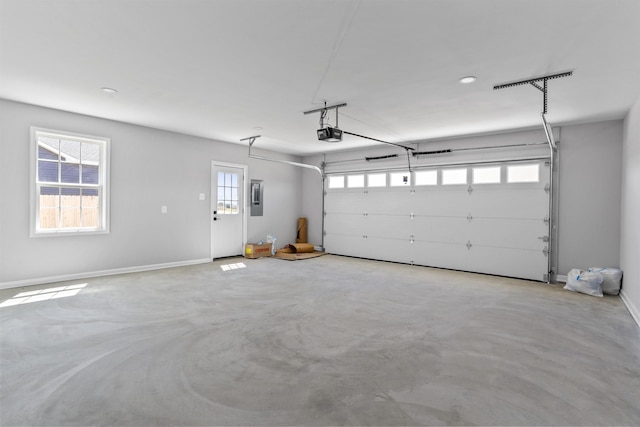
(455, 162)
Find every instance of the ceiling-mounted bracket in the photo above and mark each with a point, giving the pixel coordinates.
(325, 108)
(251, 140)
(535, 82)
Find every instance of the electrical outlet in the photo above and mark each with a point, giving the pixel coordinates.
(163, 209)
(201, 196)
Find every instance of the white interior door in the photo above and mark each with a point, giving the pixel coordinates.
(227, 210)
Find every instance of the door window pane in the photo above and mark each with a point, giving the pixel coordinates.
(227, 203)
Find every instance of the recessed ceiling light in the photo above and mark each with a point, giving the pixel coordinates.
(467, 80)
(109, 90)
(258, 127)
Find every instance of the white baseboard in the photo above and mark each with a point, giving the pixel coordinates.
(89, 274)
(635, 312)
(561, 278)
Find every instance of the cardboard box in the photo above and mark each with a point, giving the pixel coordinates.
(254, 250)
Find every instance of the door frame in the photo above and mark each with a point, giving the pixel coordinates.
(213, 201)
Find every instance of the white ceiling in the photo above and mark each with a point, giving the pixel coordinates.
(221, 68)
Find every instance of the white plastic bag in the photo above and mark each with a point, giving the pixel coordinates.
(612, 278)
(587, 282)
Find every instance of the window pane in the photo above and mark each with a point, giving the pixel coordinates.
(90, 217)
(89, 153)
(377, 180)
(90, 203)
(48, 148)
(227, 180)
(70, 173)
(336, 181)
(523, 173)
(234, 194)
(355, 181)
(47, 171)
(234, 180)
(70, 151)
(397, 179)
(49, 207)
(46, 153)
(486, 175)
(49, 191)
(70, 207)
(90, 174)
(454, 176)
(429, 177)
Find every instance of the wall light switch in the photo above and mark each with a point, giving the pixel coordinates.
(201, 196)
(163, 209)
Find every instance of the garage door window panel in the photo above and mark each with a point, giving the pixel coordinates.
(526, 173)
(426, 177)
(376, 180)
(454, 176)
(486, 175)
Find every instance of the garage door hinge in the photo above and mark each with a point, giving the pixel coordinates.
(469, 245)
(469, 190)
(364, 236)
(469, 217)
(546, 251)
(365, 214)
(411, 240)
(547, 188)
(546, 219)
(545, 278)
(412, 215)
(544, 238)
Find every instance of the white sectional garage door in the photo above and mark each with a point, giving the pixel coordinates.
(489, 218)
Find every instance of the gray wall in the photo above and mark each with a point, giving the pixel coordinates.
(589, 188)
(149, 168)
(630, 215)
(590, 180)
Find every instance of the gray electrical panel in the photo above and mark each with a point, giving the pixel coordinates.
(257, 197)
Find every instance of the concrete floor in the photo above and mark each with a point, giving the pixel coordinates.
(326, 341)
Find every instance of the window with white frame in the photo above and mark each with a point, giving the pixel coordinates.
(70, 183)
